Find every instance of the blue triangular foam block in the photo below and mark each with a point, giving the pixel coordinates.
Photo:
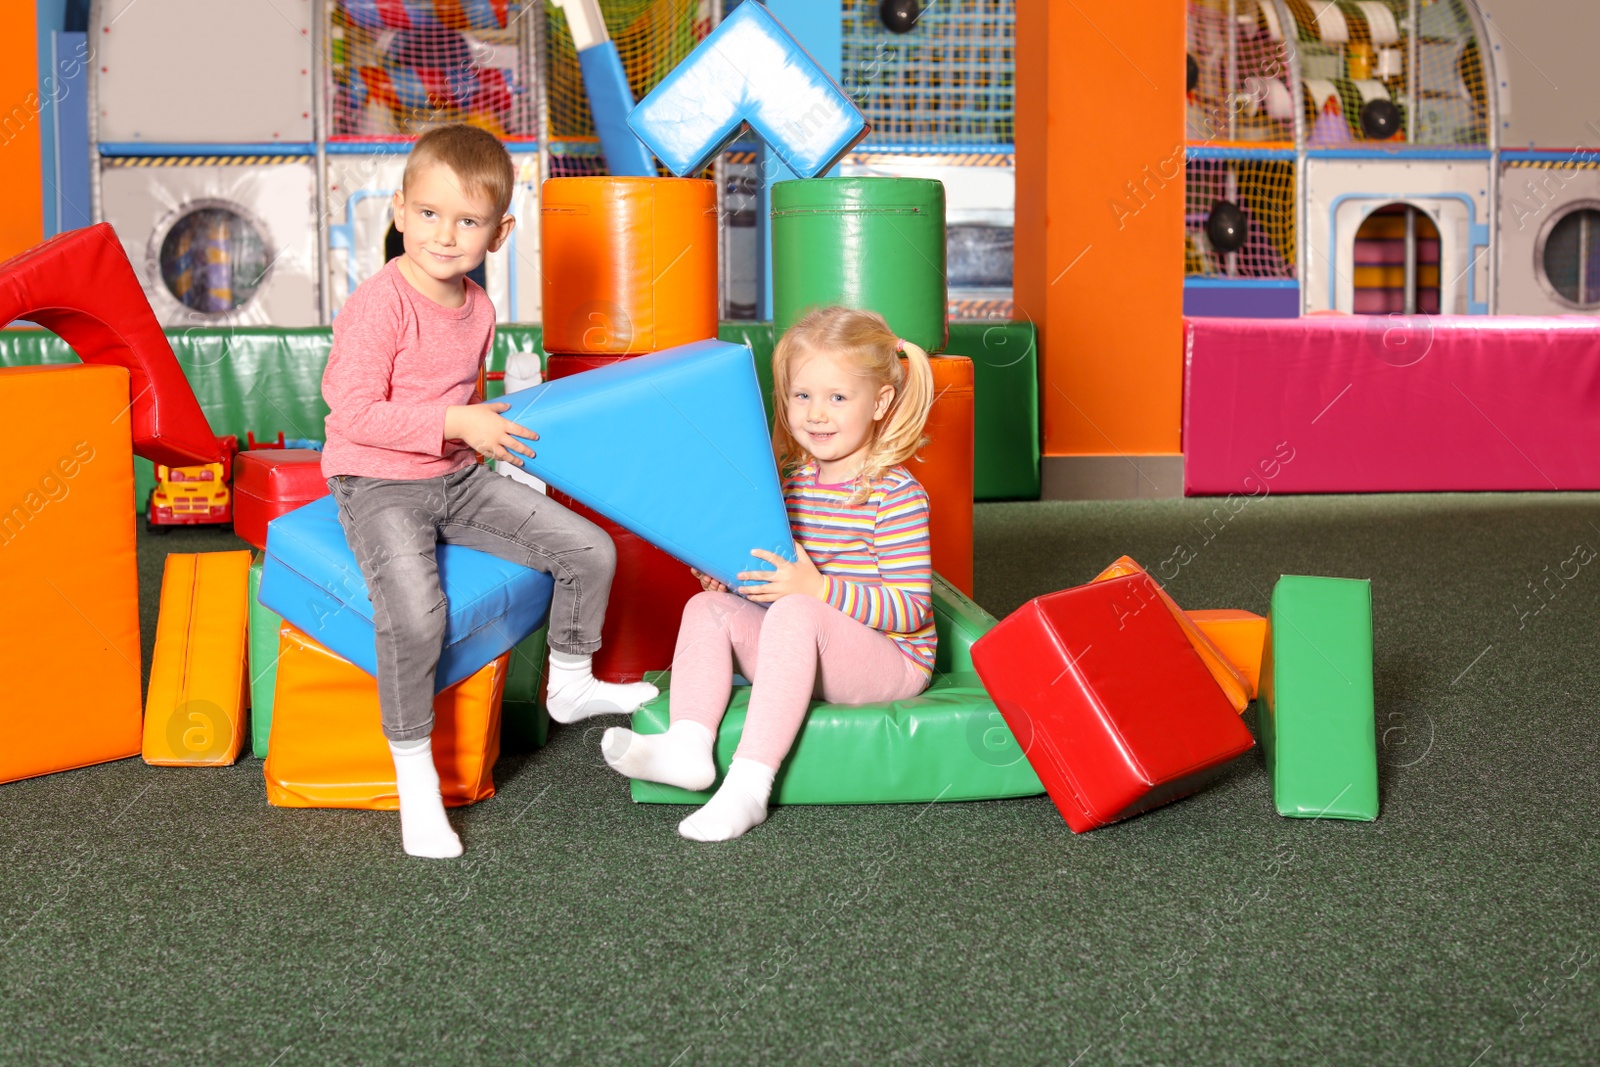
(672, 446)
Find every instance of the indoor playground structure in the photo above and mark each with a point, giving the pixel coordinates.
(1257, 401)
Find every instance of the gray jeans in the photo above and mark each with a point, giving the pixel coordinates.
(392, 526)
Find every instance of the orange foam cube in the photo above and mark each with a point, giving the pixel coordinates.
(327, 748)
(1239, 636)
(1233, 685)
(69, 635)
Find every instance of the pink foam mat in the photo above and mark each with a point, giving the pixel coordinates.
(1364, 404)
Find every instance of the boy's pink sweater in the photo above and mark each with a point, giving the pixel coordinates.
(398, 361)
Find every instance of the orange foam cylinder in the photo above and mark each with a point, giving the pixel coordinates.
(69, 633)
(1239, 694)
(194, 712)
(946, 469)
(1239, 636)
(629, 264)
(328, 749)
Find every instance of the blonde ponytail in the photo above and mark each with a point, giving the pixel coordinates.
(899, 433)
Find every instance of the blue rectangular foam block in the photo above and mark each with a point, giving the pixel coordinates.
(749, 69)
(310, 577)
(672, 446)
(610, 102)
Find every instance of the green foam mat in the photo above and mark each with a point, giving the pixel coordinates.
(948, 743)
(1318, 729)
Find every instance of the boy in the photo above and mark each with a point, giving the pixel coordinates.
(404, 429)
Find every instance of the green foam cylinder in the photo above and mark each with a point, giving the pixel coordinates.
(873, 243)
(1318, 728)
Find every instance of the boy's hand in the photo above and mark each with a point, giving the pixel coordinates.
(487, 431)
(785, 579)
(708, 583)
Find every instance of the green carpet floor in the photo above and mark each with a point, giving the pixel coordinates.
(154, 916)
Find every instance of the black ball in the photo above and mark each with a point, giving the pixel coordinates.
(899, 16)
(1194, 73)
(1380, 119)
(1226, 226)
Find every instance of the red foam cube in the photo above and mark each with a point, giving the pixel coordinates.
(272, 482)
(1105, 694)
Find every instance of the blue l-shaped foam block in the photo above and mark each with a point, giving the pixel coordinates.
(672, 446)
(749, 69)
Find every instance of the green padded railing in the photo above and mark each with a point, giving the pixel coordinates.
(264, 380)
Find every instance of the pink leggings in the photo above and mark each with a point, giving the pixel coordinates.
(793, 649)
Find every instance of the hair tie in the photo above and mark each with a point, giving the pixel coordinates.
(899, 344)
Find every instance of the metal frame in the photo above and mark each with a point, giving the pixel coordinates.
(173, 215)
(1543, 276)
(1491, 90)
(319, 134)
(1478, 236)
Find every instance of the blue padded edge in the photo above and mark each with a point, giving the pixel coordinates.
(749, 69)
(610, 101)
(310, 577)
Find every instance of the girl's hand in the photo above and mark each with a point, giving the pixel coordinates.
(489, 434)
(785, 579)
(708, 583)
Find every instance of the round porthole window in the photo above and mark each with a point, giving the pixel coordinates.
(213, 259)
(1570, 258)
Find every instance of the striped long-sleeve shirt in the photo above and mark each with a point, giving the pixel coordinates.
(874, 556)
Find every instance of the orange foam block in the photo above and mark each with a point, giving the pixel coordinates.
(69, 576)
(1239, 636)
(945, 467)
(328, 749)
(194, 711)
(1233, 685)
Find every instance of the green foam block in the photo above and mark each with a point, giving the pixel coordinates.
(524, 722)
(1318, 729)
(949, 743)
(263, 665)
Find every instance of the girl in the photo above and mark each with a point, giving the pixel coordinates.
(851, 620)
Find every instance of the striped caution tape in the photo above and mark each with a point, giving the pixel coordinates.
(196, 161)
(1586, 162)
(929, 159)
(891, 159)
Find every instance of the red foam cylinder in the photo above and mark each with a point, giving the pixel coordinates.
(650, 589)
(80, 285)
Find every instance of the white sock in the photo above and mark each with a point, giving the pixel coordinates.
(680, 757)
(738, 806)
(575, 693)
(424, 828)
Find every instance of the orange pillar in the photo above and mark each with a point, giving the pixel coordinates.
(21, 177)
(1099, 240)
